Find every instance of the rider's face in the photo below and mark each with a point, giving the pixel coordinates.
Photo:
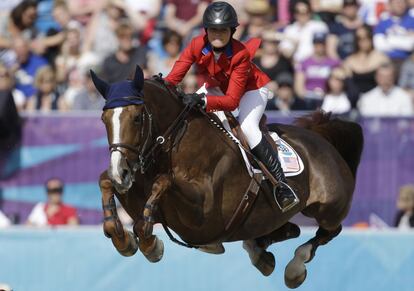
(219, 37)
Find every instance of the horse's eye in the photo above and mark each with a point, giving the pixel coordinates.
(137, 119)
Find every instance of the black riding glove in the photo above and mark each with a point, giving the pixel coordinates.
(194, 99)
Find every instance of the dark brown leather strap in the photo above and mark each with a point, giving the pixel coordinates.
(245, 205)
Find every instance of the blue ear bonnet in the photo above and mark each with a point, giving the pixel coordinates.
(122, 93)
(117, 93)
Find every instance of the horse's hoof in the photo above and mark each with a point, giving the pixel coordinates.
(132, 246)
(266, 263)
(215, 249)
(295, 273)
(156, 254)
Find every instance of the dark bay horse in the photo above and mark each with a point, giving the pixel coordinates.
(190, 176)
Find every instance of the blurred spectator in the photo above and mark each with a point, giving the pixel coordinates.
(23, 18)
(363, 63)
(120, 65)
(336, 99)
(285, 99)
(405, 205)
(72, 57)
(259, 19)
(54, 211)
(7, 85)
(189, 84)
(81, 10)
(406, 76)
(297, 41)
(26, 66)
(271, 61)
(144, 16)
(100, 37)
(386, 99)
(185, 16)
(47, 98)
(326, 10)
(19, 23)
(44, 19)
(172, 44)
(371, 10)
(394, 34)
(88, 98)
(312, 73)
(4, 220)
(55, 36)
(341, 41)
(10, 124)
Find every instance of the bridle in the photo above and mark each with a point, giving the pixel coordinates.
(146, 151)
(140, 163)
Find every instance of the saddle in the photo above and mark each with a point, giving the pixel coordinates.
(238, 133)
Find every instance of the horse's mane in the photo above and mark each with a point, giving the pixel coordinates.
(345, 136)
(174, 91)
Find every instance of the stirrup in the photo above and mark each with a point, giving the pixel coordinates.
(291, 205)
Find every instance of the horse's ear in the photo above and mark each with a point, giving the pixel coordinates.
(138, 78)
(100, 84)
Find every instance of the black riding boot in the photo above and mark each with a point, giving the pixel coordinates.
(285, 196)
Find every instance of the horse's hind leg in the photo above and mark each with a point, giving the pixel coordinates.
(295, 272)
(124, 241)
(263, 260)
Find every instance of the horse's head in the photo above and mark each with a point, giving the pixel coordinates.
(124, 115)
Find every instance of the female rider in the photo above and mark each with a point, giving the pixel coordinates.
(225, 64)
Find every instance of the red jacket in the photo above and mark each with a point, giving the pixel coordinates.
(233, 72)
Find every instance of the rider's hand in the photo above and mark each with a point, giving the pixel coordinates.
(195, 99)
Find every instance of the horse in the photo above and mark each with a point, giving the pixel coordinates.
(174, 165)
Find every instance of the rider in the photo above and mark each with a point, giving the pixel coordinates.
(225, 64)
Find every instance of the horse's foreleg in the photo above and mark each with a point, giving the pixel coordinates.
(263, 260)
(124, 241)
(161, 184)
(149, 244)
(295, 272)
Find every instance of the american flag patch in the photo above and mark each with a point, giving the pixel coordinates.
(290, 164)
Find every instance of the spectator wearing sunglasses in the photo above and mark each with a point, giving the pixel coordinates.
(53, 211)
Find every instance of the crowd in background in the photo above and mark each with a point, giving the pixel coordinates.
(340, 55)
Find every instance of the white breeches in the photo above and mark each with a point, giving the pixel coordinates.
(250, 111)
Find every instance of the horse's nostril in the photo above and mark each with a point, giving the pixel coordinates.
(124, 174)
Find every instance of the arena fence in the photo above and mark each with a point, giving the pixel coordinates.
(74, 147)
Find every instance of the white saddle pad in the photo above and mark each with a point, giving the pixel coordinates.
(291, 162)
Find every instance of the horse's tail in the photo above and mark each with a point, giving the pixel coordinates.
(345, 136)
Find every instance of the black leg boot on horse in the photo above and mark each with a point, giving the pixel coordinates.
(284, 195)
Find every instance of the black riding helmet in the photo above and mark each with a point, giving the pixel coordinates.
(220, 15)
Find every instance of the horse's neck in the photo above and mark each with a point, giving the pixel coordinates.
(166, 108)
(161, 103)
